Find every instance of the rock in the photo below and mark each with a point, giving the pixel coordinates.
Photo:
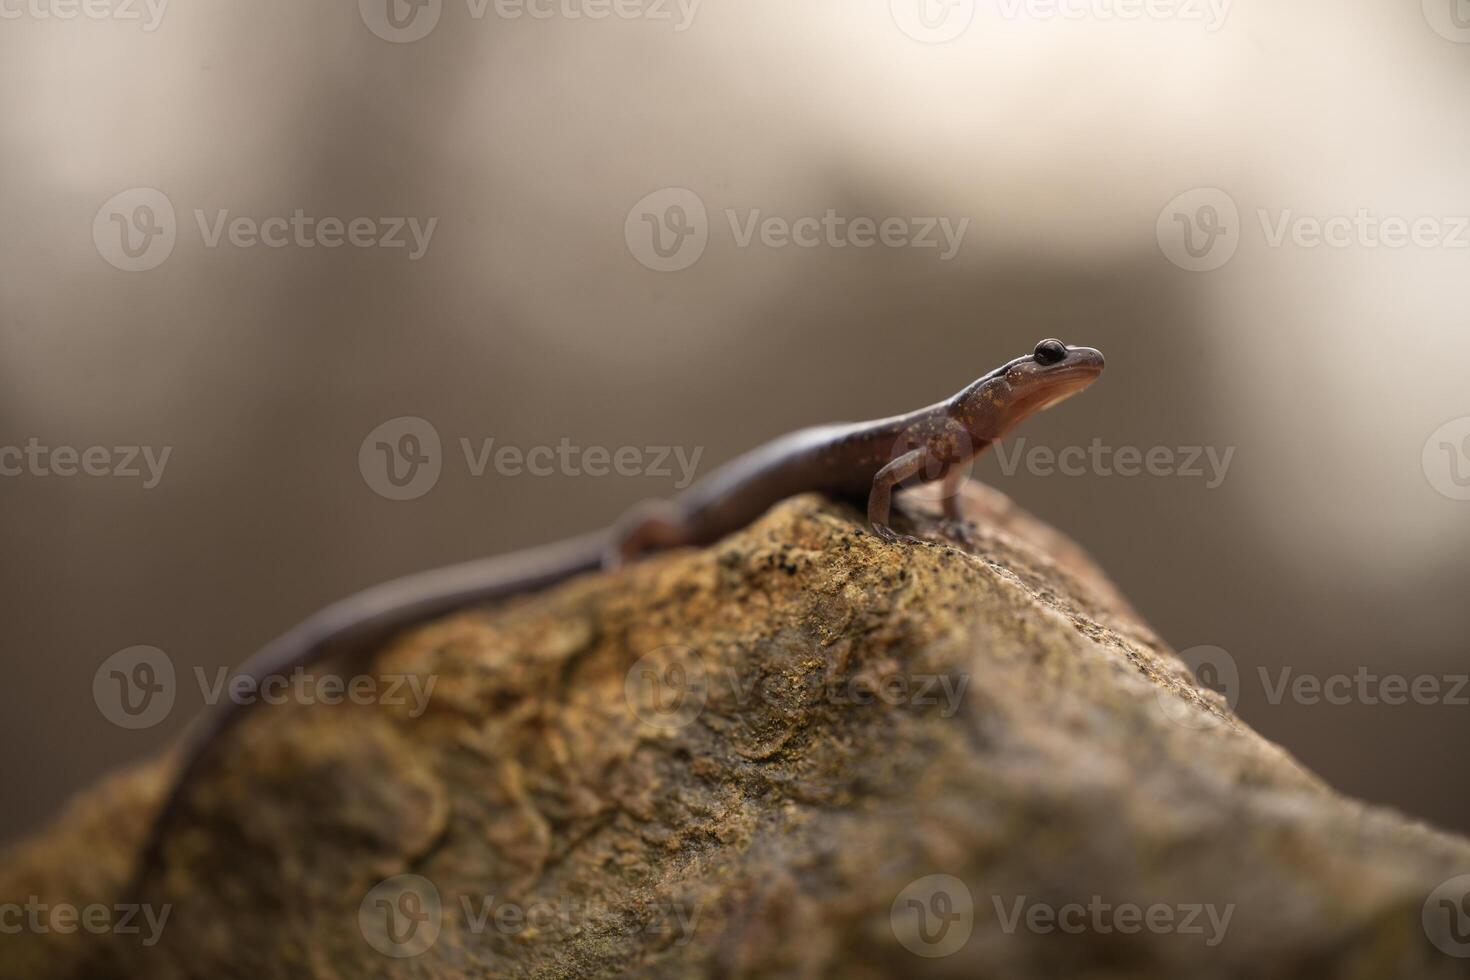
(798, 753)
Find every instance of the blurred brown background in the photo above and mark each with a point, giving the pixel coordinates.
(1326, 549)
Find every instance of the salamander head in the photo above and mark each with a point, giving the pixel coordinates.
(998, 402)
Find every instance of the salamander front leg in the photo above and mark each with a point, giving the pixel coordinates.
(652, 525)
(880, 499)
(954, 480)
(954, 525)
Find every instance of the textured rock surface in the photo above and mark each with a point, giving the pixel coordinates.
(751, 761)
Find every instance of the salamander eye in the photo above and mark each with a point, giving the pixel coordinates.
(1050, 352)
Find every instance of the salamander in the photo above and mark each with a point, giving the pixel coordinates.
(855, 461)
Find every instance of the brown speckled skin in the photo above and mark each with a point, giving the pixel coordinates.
(847, 461)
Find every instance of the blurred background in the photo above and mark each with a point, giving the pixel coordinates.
(600, 191)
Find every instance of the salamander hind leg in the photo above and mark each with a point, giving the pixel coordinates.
(652, 525)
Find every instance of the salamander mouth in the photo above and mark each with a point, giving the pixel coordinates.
(1059, 398)
(1076, 373)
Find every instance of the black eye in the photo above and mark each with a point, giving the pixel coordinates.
(1050, 352)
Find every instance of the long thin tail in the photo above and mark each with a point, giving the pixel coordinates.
(354, 628)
